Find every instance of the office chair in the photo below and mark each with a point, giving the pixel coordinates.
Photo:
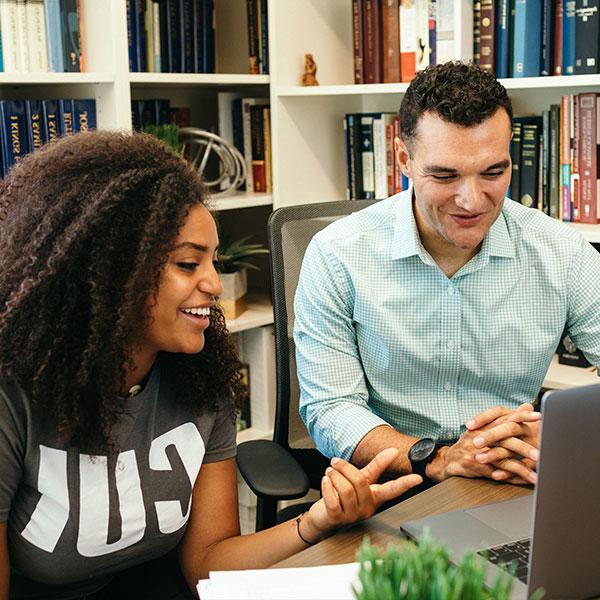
(286, 467)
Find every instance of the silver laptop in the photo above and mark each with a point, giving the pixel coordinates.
(554, 534)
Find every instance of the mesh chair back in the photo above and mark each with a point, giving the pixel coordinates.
(290, 230)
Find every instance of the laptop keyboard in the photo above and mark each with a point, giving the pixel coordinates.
(507, 554)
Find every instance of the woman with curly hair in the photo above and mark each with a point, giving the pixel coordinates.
(119, 385)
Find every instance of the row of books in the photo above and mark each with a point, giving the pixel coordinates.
(40, 36)
(171, 36)
(525, 38)
(156, 112)
(26, 125)
(555, 159)
(393, 39)
(371, 166)
(246, 123)
(258, 37)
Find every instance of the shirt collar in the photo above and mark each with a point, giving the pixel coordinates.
(407, 242)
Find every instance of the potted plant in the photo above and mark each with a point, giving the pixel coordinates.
(233, 265)
(424, 571)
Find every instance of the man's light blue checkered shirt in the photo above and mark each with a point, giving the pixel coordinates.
(383, 336)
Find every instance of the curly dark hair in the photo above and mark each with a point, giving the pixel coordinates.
(86, 225)
(462, 94)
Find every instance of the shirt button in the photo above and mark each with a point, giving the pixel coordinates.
(447, 387)
(450, 344)
(450, 290)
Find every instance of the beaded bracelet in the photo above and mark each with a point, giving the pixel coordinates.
(298, 519)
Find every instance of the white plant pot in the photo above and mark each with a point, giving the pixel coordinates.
(233, 298)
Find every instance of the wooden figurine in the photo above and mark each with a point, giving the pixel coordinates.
(310, 70)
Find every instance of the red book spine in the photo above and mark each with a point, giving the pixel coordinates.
(588, 173)
(372, 41)
(357, 41)
(558, 37)
(390, 24)
(487, 55)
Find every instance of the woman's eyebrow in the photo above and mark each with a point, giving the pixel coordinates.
(194, 246)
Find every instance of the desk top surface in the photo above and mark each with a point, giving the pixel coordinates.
(384, 528)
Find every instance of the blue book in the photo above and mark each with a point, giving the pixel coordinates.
(264, 39)
(568, 37)
(70, 35)
(132, 37)
(35, 129)
(13, 126)
(208, 37)
(84, 115)
(546, 66)
(197, 29)
(56, 59)
(140, 30)
(51, 124)
(502, 38)
(187, 29)
(1, 59)
(65, 116)
(527, 38)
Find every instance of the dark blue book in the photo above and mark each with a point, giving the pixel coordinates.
(545, 157)
(568, 37)
(503, 38)
(70, 35)
(187, 15)
(208, 37)
(175, 37)
(546, 61)
(587, 37)
(140, 29)
(264, 38)
(51, 124)
(136, 115)
(197, 32)
(164, 27)
(65, 116)
(132, 36)
(84, 115)
(530, 166)
(527, 38)
(13, 125)
(54, 42)
(35, 129)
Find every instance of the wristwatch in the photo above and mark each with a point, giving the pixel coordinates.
(421, 453)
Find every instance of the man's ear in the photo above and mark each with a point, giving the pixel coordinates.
(402, 156)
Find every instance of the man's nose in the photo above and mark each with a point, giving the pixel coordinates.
(470, 195)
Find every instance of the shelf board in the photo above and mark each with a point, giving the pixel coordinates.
(514, 83)
(54, 78)
(198, 79)
(253, 433)
(562, 377)
(258, 313)
(240, 200)
(590, 232)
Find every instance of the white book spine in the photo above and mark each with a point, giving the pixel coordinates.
(247, 133)
(444, 31)
(22, 37)
(9, 24)
(36, 35)
(379, 158)
(422, 35)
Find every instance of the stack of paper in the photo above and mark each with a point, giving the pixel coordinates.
(331, 582)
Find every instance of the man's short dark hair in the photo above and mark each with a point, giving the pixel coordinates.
(459, 93)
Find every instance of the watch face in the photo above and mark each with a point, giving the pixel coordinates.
(422, 449)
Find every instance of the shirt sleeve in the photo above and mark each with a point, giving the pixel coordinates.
(222, 441)
(12, 445)
(333, 390)
(583, 316)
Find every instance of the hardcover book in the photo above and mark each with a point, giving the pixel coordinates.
(13, 128)
(70, 35)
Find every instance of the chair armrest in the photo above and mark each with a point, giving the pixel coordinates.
(270, 470)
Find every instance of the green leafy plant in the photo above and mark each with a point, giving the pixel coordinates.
(168, 133)
(234, 256)
(424, 571)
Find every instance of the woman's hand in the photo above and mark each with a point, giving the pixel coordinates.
(351, 494)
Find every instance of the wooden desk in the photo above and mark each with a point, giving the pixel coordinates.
(384, 528)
